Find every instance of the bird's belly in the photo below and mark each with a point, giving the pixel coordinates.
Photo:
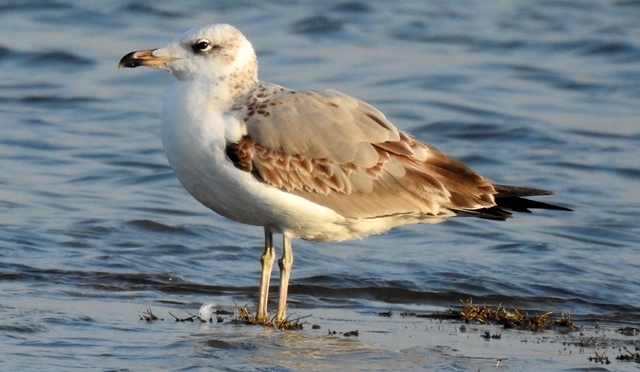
(238, 196)
(211, 178)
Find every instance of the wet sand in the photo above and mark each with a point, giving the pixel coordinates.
(425, 339)
(112, 334)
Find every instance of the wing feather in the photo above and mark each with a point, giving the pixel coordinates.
(344, 154)
(327, 125)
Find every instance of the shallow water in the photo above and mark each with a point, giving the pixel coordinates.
(94, 227)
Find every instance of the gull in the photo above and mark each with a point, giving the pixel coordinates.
(315, 165)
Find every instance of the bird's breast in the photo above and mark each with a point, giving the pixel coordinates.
(195, 140)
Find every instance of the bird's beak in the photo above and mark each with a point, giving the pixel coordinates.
(144, 58)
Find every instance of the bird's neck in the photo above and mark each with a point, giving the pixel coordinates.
(225, 92)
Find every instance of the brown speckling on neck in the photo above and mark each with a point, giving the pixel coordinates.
(258, 100)
(243, 81)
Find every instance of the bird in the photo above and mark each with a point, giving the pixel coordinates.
(315, 165)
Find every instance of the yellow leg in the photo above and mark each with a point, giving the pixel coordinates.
(285, 264)
(266, 260)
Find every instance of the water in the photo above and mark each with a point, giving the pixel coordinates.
(94, 228)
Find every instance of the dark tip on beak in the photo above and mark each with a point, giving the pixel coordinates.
(144, 58)
(130, 60)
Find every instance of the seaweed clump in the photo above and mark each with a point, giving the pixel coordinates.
(244, 317)
(513, 318)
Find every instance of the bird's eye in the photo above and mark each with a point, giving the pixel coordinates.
(202, 45)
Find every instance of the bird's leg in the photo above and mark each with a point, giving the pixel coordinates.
(285, 264)
(266, 260)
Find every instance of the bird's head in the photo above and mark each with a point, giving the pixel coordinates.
(209, 53)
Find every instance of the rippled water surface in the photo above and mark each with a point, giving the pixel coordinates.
(95, 228)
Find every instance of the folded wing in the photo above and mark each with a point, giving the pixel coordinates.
(344, 154)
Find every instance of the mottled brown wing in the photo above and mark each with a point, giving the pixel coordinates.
(344, 154)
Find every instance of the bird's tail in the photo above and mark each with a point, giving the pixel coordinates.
(512, 199)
